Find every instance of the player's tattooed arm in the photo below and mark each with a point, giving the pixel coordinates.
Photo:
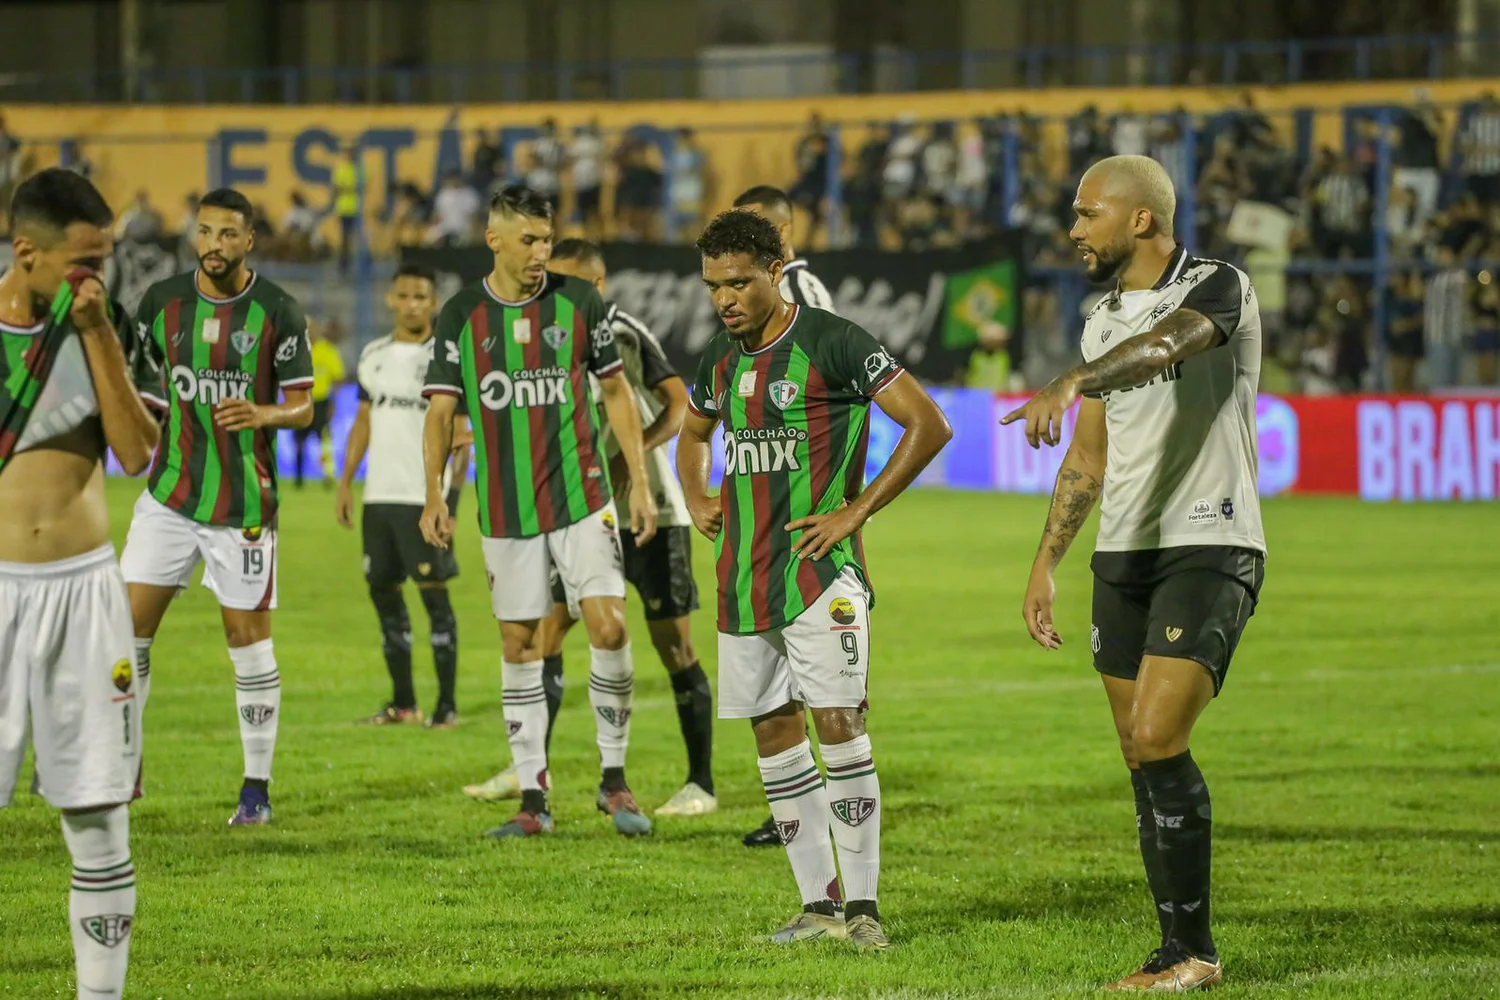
(1180, 335)
(1080, 480)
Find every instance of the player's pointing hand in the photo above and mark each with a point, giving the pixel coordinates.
(1044, 412)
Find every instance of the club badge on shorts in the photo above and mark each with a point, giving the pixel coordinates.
(122, 674)
(842, 611)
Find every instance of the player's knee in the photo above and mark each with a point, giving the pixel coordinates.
(838, 725)
(1127, 748)
(779, 731)
(516, 649)
(609, 634)
(246, 633)
(1151, 739)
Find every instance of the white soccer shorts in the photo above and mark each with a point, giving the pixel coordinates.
(163, 548)
(822, 658)
(67, 655)
(586, 554)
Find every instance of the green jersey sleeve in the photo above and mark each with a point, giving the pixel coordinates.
(859, 363)
(705, 394)
(293, 347)
(143, 351)
(603, 356)
(445, 375)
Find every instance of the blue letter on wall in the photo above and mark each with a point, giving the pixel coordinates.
(308, 172)
(222, 171)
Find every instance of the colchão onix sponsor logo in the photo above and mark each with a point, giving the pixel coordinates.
(524, 389)
(209, 386)
(753, 451)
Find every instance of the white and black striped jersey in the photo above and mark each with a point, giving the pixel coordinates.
(801, 287)
(646, 367)
(1181, 464)
(1482, 146)
(391, 374)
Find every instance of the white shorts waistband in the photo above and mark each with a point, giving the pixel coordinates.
(104, 555)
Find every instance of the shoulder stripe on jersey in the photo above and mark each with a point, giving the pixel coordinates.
(297, 383)
(438, 389)
(885, 383)
(793, 265)
(618, 315)
(607, 372)
(155, 402)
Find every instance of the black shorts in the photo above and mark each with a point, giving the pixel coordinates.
(395, 548)
(1190, 603)
(322, 410)
(661, 573)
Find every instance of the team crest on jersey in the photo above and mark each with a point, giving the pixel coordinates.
(122, 674)
(787, 830)
(782, 393)
(853, 811)
(618, 717)
(108, 929)
(257, 715)
(842, 611)
(1226, 508)
(244, 341)
(554, 337)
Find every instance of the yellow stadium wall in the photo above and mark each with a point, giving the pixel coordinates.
(168, 149)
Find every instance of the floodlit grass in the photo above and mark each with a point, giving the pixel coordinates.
(1352, 758)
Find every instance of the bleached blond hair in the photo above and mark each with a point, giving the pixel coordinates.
(1141, 182)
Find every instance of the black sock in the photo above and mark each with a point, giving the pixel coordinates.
(1184, 828)
(827, 907)
(552, 684)
(613, 779)
(1156, 874)
(444, 641)
(534, 801)
(857, 907)
(695, 714)
(261, 785)
(395, 634)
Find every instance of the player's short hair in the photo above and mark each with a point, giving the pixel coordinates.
(518, 199)
(742, 232)
(581, 250)
(231, 201)
(54, 199)
(412, 269)
(764, 194)
(1146, 183)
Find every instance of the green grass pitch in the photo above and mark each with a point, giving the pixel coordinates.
(1352, 758)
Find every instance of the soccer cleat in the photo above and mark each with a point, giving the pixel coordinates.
(765, 835)
(810, 926)
(866, 933)
(444, 716)
(523, 824)
(620, 806)
(1170, 970)
(692, 800)
(254, 809)
(504, 785)
(390, 715)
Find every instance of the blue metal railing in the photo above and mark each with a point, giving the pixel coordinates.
(1145, 64)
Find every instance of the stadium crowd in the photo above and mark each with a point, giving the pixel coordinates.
(1302, 224)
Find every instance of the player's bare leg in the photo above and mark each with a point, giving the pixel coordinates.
(257, 688)
(549, 641)
(673, 640)
(525, 706)
(612, 693)
(1164, 702)
(854, 804)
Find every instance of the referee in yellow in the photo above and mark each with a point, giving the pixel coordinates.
(328, 372)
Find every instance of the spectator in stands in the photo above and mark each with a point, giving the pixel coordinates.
(1480, 144)
(689, 186)
(348, 203)
(638, 191)
(863, 190)
(971, 185)
(1249, 127)
(188, 224)
(1130, 134)
(410, 213)
(1445, 319)
(1415, 155)
(900, 172)
(1404, 342)
(299, 231)
(542, 171)
(585, 166)
(141, 222)
(455, 212)
(1168, 147)
(1342, 201)
(1221, 185)
(811, 161)
(938, 162)
(260, 226)
(1485, 316)
(486, 161)
(1402, 223)
(1460, 228)
(11, 166)
(989, 362)
(1087, 140)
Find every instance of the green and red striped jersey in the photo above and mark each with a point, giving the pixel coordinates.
(796, 422)
(521, 371)
(26, 358)
(200, 352)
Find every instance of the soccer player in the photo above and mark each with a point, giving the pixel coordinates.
(227, 340)
(1166, 431)
(801, 287)
(792, 385)
(65, 650)
(518, 347)
(388, 426)
(661, 571)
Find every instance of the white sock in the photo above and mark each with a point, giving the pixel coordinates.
(101, 905)
(854, 800)
(143, 670)
(525, 705)
(799, 804)
(258, 698)
(611, 692)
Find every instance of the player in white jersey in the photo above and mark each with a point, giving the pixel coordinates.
(388, 427)
(66, 673)
(1166, 431)
(661, 571)
(799, 285)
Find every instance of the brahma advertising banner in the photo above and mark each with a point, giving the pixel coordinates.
(1375, 447)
